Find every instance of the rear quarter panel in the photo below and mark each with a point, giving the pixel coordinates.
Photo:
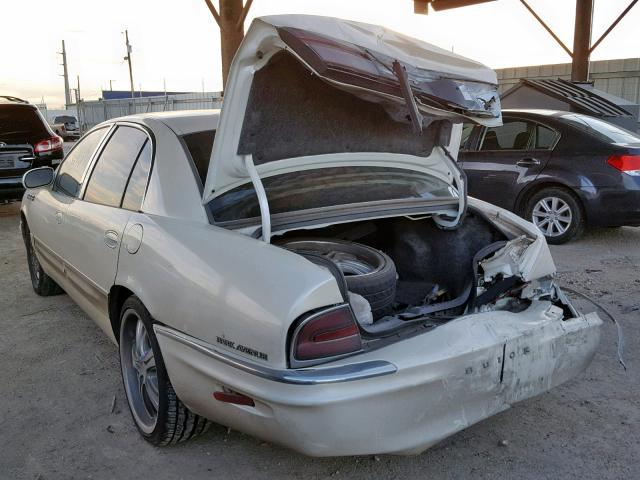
(216, 284)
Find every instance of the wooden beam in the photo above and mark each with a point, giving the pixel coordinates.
(547, 28)
(582, 41)
(613, 25)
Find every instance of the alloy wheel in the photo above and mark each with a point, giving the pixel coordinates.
(34, 263)
(552, 216)
(139, 371)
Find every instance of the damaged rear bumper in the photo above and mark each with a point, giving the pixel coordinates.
(444, 380)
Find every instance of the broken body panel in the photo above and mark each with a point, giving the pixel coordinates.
(286, 61)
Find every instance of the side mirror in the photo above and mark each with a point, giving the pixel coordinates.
(38, 177)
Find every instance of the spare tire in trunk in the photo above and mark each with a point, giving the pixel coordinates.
(367, 271)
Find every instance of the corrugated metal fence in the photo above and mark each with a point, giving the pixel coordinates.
(616, 77)
(93, 112)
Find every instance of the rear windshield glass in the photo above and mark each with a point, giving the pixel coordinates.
(605, 131)
(65, 119)
(199, 145)
(21, 124)
(328, 187)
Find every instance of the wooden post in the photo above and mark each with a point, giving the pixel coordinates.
(582, 41)
(230, 19)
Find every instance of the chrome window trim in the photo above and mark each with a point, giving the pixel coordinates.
(304, 376)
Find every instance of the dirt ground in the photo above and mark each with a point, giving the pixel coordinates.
(59, 375)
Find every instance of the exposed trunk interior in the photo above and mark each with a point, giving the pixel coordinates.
(439, 272)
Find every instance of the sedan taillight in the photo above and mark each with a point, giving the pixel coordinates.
(629, 164)
(48, 145)
(328, 333)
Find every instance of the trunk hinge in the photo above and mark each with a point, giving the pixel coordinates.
(461, 184)
(265, 215)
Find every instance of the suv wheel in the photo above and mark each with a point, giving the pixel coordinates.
(557, 213)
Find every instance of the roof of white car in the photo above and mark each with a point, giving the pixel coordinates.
(181, 121)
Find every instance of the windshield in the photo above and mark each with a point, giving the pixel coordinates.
(605, 131)
(329, 187)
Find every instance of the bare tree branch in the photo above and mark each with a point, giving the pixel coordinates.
(243, 15)
(213, 11)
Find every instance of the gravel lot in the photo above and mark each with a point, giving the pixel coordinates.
(60, 374)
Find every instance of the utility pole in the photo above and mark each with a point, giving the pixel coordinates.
(230, 19)
(128, 59)
(65, 74)
(78, 101)
(582, 41)
(111, 85)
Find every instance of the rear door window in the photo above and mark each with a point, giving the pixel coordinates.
(137, 186)
(71, 172)
(545, 137)
(113, 168)
(512, 135)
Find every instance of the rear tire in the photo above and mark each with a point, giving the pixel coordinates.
(42, 284)
(367, 271)
(160, 416)
(557, 213)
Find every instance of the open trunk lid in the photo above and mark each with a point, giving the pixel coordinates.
(307, 92)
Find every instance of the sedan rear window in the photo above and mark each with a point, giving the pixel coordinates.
(605, 131)
(329, 187)
(21, 124)
(199, 145)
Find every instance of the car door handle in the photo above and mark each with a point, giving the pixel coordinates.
(528, 162)
(59, 218)
(111, 239)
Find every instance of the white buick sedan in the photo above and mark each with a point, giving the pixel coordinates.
(305, 265)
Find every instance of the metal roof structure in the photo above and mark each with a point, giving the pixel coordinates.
(583, 98)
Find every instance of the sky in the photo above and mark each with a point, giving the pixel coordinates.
(177, 42)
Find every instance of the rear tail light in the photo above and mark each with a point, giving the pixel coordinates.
(629, 164)
(48, 145)
(329, 333)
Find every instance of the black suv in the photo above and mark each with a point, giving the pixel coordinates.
(26, 141)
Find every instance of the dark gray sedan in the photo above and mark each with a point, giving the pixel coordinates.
(560, 170)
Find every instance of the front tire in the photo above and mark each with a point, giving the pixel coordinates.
(159, 415)
(42, 284)
(557, 213)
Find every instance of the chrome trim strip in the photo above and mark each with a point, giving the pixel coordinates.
(17, 181)
(304, 376)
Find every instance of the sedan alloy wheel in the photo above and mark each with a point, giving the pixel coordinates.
(139, 371)
(552, 216)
